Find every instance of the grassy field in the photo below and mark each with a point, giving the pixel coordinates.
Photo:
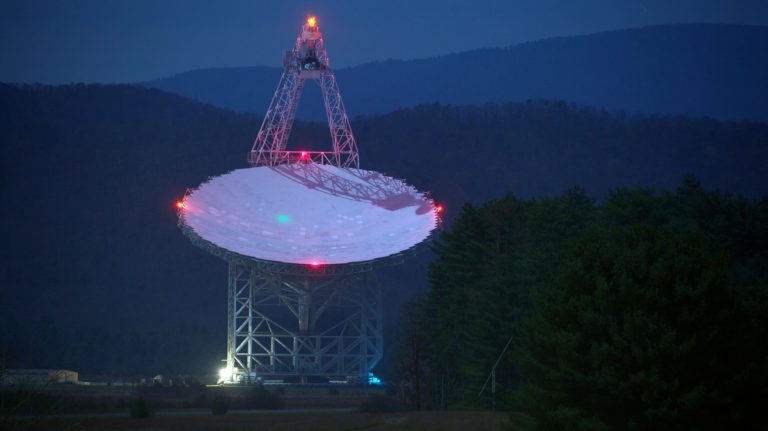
(282, 421)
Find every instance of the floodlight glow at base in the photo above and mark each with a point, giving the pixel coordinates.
(373, 380)
(225, 374)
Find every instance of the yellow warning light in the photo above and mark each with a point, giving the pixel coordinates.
(311, 21)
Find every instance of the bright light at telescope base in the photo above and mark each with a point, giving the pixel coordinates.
(225, 374)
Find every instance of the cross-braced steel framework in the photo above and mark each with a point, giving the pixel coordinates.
(294, 321)
(307, 60)
(288, 326)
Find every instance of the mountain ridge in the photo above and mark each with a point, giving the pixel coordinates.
(714, 70)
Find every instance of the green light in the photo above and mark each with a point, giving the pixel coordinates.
(282, 218)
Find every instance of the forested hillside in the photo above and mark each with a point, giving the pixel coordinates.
(691, 69)
(645, 310)
(89, 175)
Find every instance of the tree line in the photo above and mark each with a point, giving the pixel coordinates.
(645, 310)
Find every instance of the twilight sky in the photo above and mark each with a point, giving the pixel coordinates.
(62, 41)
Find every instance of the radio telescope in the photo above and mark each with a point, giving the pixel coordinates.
(301, 230)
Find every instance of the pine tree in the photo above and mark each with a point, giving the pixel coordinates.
(636, 331)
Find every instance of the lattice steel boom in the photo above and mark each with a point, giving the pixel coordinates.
(307, 60)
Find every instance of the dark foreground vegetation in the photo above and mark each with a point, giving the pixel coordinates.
(644, 311)
(279, 421)
(139, 401)
(196, 407)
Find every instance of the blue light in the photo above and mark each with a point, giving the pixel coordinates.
(373, 380)
(282, 218)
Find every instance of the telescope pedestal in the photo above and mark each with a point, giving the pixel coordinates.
(296, 327)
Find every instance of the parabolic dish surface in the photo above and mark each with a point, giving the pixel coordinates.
(305, 213)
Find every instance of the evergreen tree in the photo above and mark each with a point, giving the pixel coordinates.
(487, 264)
(637, 331)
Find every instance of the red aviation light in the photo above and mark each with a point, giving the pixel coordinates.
(304, 155)
(315, 264)
(439, 209)
(180, 205)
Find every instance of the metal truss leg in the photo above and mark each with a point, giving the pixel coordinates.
(344, 145)
(298, 327)
(278, 121)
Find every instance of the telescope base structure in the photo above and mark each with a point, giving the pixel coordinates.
(301, 328)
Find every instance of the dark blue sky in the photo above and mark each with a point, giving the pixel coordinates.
(121, 41)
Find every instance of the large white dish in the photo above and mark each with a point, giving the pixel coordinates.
(305, 213)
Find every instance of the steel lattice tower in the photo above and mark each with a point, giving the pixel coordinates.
(263, 339)
(278, 328)
(291, 316)
(308, 60)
